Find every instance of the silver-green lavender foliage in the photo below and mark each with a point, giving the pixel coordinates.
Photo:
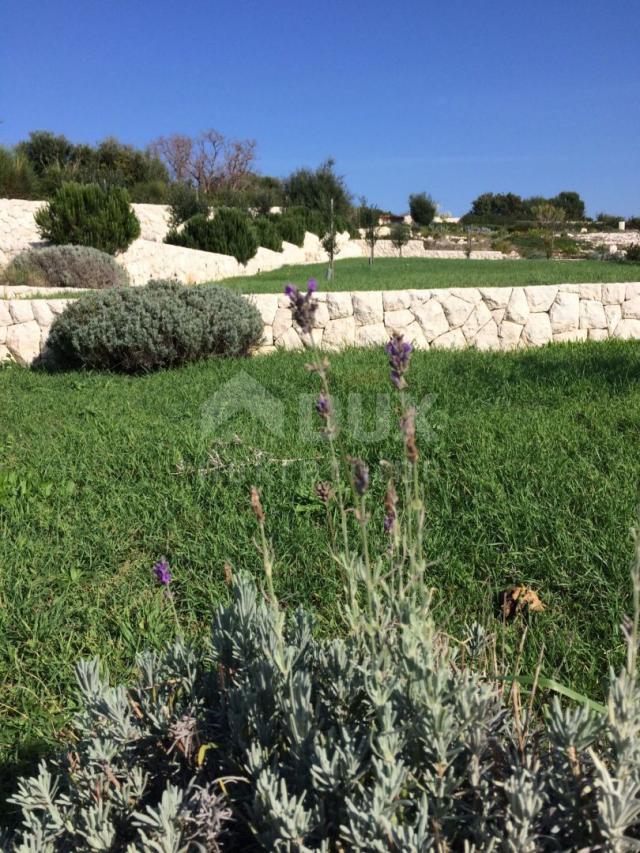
(383, 740)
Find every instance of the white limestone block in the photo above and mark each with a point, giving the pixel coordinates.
(432, 319)
(540, 297)
(592, 314)
(517, 307)
(367, 307)
(565, 312)
(496, 297)
(23, 341)
(537, 330)
(375, 334)
(453, 339)
(510, 334)
(456, 310)
(339, 305)
(339, 333)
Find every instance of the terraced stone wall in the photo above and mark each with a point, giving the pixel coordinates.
(489, 318)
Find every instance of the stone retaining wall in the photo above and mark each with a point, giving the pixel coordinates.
(148, 257)
(489, 318)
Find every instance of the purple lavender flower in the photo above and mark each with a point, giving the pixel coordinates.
(360, 476)
(323, 406)
(303, 305)
(161, 571)
(388, 523)
(399, 353)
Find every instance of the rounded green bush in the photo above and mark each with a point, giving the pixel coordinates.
(229, 232)
(269, 236)
(163, 324)
(88, 215)
(292, 228)
(66, 266)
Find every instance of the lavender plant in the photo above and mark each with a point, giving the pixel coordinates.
(390, 737)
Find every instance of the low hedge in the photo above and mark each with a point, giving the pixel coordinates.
(163, 324)
(65, 266)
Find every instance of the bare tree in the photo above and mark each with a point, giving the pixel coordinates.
(209, 161)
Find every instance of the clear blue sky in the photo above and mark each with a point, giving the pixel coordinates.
(456, 97)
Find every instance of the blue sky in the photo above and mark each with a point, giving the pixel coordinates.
(455, 97)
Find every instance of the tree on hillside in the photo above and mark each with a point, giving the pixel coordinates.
(422, 208)
(549, 217)
(571, 203)
(314, 189)
(44, 149)
(400, 234)
(210, 161)
(499, 206)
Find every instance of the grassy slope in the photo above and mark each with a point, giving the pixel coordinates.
(532, 462)
(396, 274)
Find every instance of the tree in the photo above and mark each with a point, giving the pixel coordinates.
(314, 190)
(499, 206)
(400, 234)
(422, 208)
(210, 161)
(571, 203)
(369, 219)
(330, 241)
(44, 149)
(549, 217)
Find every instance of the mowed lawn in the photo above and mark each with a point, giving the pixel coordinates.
(531, 472)
(418, 273)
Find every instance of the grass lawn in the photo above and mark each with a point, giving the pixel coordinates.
(531, 476)
(401, 273)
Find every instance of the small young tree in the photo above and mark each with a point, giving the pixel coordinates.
(422, 208)
(369, 219)
(549, 217)
(400, 234)
(330, 241)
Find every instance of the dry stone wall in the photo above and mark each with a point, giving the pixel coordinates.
(489, 318)
(148, 257)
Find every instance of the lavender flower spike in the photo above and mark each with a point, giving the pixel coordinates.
(303, 305)
(399, 353)
(161, 571)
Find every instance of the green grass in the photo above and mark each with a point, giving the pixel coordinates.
(531, 476)
(400, 273)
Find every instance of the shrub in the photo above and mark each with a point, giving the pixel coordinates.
(400, 235)
(229, 232)
(184, 203)
(385, 739)
(422, 208)
(268, 233)
(501, 244)
(149, 192)
(163, 324)
(66, 266)
(291, 227)
(88, 215)
(313, 190)
(17, 177)
(632, 253)
(314, 221)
